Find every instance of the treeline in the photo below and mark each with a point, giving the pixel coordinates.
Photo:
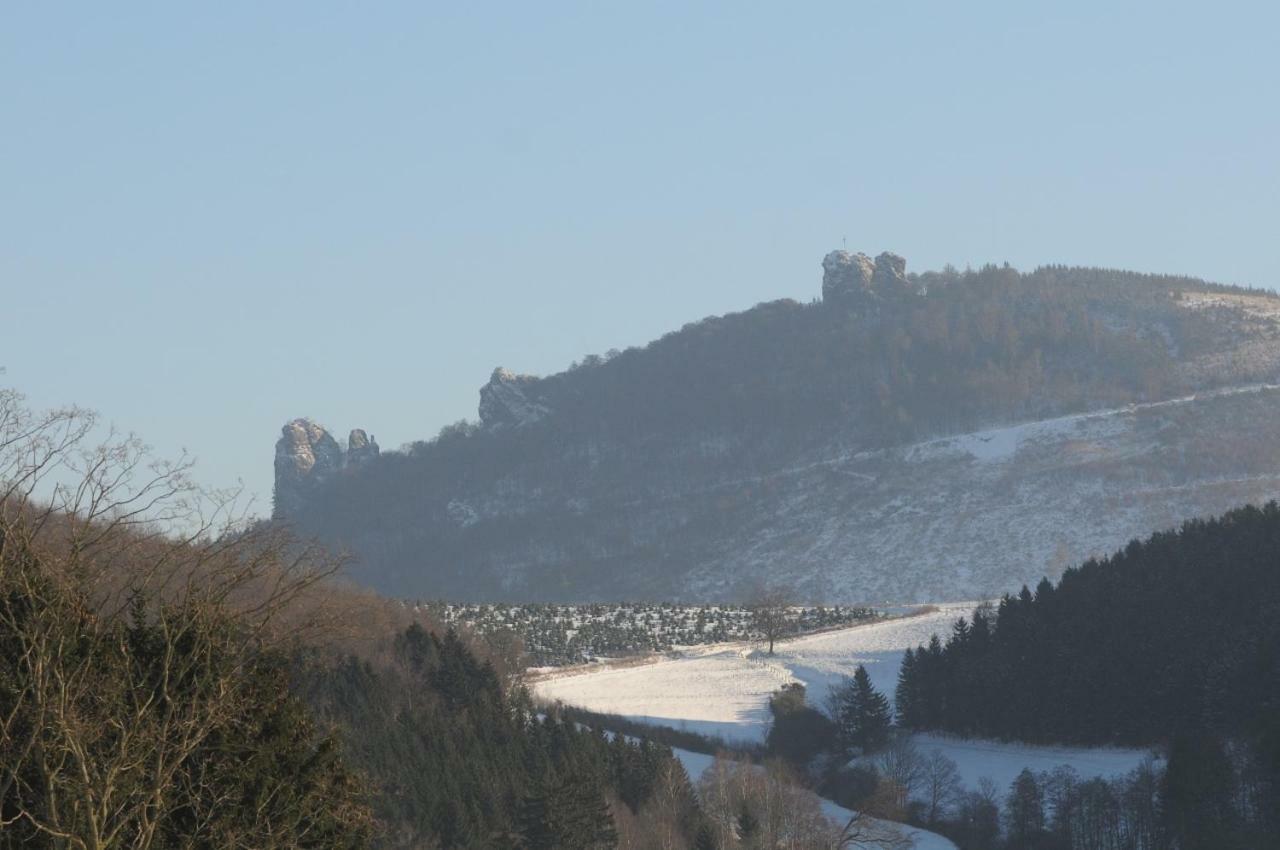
(973, 347)
(553, 635)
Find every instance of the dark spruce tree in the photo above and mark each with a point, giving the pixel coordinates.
(566, 813)
(1024, 812)
(906, 694)
(1196, 796)
(864, 715)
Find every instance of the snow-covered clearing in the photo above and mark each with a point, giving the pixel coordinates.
(1002, 762)
(723, 690)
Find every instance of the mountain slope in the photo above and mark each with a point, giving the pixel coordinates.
(934, 436)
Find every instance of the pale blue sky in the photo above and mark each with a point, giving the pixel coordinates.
(219, 217)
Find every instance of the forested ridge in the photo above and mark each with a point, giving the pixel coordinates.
(965, 348)
(968, 348)
(649, 472)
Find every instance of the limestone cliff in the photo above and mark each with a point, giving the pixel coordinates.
(307, 456)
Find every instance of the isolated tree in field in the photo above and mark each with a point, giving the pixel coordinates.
(863, 718)
(770, 615)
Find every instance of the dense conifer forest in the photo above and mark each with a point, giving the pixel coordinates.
(1174, 641)
(1183, 628)
(457, 758)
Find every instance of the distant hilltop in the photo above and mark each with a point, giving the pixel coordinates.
(909, 437)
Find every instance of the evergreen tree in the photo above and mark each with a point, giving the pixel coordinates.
(1025, 810)
(1032, 670)
(1196, 795)
(458, 763)
(864, 717)
(905, 695)
(566, 814)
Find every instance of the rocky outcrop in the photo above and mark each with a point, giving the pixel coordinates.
(855, 281)
(361, 447)
(846, 278)
(510, 400)
(890, 273)
(307, 455)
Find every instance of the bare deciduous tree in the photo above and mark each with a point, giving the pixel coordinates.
(134, 611)
(770, 614)
(669, 808)
(788, 814)
(864, 832)
(940, 782)
(900, 762)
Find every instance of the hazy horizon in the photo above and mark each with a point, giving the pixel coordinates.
(356, 216)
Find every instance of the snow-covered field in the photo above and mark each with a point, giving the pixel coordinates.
(724, 690)
(1002, 762)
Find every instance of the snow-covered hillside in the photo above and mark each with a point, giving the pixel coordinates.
(979, 514)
